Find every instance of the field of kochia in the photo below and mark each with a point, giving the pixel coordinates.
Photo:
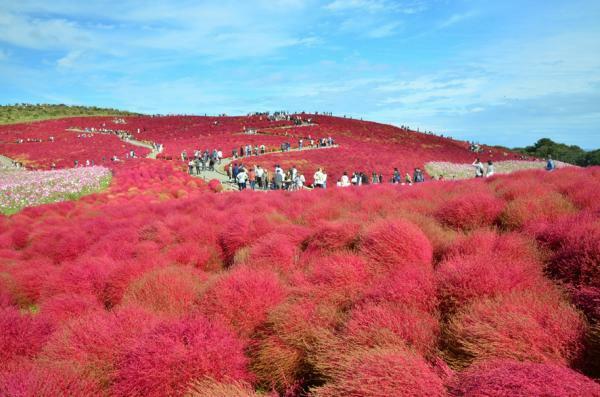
(163, 286)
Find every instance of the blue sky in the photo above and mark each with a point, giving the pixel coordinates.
(503, 72)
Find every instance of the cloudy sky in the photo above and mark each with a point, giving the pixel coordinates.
(504, 72)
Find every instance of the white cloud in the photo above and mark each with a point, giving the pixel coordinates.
(457, 18)
(386, 30)
(69, 60)
(375, 6)
(37, 33)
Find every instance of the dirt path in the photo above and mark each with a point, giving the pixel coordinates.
(134, 142)
(220, 174)
(6, 162)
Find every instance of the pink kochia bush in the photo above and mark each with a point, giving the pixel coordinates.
(46, 380)
(506, 378)
(242, 298)
(22, 336)
(381, 373)
(396, 244)
(471, 211)
(165, 361)
(532, 325)
(486, 264)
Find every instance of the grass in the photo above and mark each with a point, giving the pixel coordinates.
(21, 113)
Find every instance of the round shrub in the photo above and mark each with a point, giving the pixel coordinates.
(212, 388)
(506, 378)
(92, 344)
(332, 236)
(574, 243)
(528, 209)
(471, 211)
(390, 324)
(44, 380)
(22, 336)
(523, 325)
(168, 290)
(381, 373)
(410, 286)
(164, 361)
(339, 278)
(462, 279)
(394, 244)
(60, 308)
(242, 298)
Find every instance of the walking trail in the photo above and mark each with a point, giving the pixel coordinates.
(221, 175)
(134, 142)
(6, 162)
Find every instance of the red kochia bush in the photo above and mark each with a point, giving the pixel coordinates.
(164, 361)
(170, 290)
(63, 307)
(524, 325)
(22, 336)
(485, 264)
(331, 236)
(242, 298)
(93, 343)
(45, 380)
(411, 286)
(471, 211)
(338, 278)
(392, 325)
(528, 209)
(393, 244)
(212, 388)
(575, 249)
(381, 373)
(506, 378)
(215, 185)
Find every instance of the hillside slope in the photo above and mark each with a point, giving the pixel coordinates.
(21, 113)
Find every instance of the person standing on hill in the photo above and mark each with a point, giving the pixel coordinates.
(252, 178)
(242, 177)
(396, 178)
(478, 168)
(318, 178)
(550, 166)
(490, 169)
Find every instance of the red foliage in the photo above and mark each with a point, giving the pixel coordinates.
(164, 361)
(575, 249)
(471, 211)
(169, 291)
(242, 298)
(45, 380)
(505, 378)
(332, 236)
(22, 336)
(533, 325)
(390, 324)
(92, 344)
(486, 265)
(382, 372)
(396, 244)
(215, 185)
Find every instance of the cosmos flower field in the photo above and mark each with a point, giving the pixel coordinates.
(159, 285)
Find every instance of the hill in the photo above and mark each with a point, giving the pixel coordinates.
(21, 113)
(159, 284)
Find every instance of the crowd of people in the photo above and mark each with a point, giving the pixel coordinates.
(260, 178)
(202, 160)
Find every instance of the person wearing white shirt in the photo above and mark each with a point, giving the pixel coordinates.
(345, 181)
(319, 179)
